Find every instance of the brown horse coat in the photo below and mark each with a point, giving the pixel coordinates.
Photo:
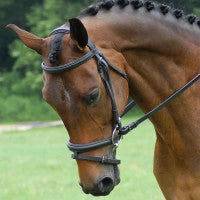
(160, 52)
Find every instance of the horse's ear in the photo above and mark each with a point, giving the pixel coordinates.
(30, 40)
(78, 33)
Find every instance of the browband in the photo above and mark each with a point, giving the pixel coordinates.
(94, 52)
(69, 66)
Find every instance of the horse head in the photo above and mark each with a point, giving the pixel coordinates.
(81, 99)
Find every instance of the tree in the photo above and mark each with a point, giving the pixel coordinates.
(186, 5)
(12, 11)
(42, 19)
(20, 86)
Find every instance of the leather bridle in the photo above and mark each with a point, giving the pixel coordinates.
(104, 66)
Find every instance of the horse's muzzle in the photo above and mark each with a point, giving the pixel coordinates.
(104, 185)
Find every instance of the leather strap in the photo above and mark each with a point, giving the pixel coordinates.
(89, 146)
(104, 72)
(131, 105)
(71, 65)
(126, 129)
(94, 52)
(102, 160)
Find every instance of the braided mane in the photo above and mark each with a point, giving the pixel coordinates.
(93, 10)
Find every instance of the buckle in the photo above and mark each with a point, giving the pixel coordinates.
(101, 60)
(116, 137)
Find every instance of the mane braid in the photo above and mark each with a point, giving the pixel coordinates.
(123, 3)
(137, 4)
(178, 14)
(149, 5)
(198, 23)
(92, 10)
(108, 4)
(164, 9)
(191, 19)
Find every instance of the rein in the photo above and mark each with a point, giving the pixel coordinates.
(104, 66)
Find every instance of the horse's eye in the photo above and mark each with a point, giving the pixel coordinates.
(91, 98)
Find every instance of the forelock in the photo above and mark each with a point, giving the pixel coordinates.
(55, 48)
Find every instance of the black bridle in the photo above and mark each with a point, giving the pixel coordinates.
(104, 67)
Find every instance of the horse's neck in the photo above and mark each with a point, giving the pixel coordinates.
(153, 78)
(162, 62)
(161, 58)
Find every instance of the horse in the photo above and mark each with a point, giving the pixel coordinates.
(117, 49)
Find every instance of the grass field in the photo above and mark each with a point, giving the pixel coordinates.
(36, 165)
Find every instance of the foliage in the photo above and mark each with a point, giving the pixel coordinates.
(25, 109)
(12, 11)
(187, 5)
(41, 23)
(25, 79)
(197, 11)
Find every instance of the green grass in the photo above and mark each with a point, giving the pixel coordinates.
(36, 165)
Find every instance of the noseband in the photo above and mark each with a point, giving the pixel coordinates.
(104, 66)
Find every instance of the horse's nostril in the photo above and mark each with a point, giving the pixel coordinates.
(101, 188)
(106, 185)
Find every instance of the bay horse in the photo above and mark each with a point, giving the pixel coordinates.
(117, 49)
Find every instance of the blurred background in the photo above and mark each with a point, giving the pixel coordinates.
(20, 73)
(35, 164)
